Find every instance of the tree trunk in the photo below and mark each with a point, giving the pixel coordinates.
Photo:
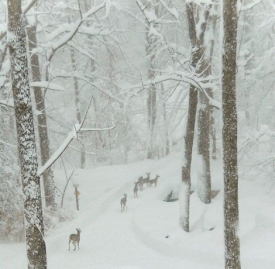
(151, 105)
(49, 188)
(78, 114)
(165, 122)
(204, 68)
(204, 178)
(229, 134)
(197, 53)
(36, 248)
(184, 197)
(152, 92)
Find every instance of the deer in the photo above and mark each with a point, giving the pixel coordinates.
(75, 238)
(146, 180)
(154, 181)
(123, 202)
(136, 189)
(140, 183)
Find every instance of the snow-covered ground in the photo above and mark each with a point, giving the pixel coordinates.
(147, 235)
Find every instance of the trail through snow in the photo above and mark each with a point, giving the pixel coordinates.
(147, 235)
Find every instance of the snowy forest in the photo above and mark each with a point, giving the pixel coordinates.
(137, 134)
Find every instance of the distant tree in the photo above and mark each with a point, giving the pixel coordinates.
(44, 143)
(229, 135)
(36, 248)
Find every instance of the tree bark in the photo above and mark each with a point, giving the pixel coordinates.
(36, 248)
(78, 114)
(229, 134)
(204, 178)
(152, 92)
(204, 68)
(197, 54)
(184, 197)
(48, 178)
(165, 123)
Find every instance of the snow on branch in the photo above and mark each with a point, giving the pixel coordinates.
(250, 5)
(8, 103)
(67, 37)
(96, 129)
(47, 85)
(77, 128)
(199, 83)
(8, 144)
(89, 81)
(172, 11)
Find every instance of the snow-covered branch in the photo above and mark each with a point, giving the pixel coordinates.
(67, 37)
(8, 103)
(96, 129)
(88, 80)
(47, 85)
(77, 128)
(200, 83)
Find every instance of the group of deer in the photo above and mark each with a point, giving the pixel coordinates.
(139, 185)
(75, 238)
(141, 181)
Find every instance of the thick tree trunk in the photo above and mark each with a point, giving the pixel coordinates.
(36, 248)
(49, 188)
(229, 134)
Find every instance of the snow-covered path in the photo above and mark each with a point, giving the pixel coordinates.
(136, 238)
(111, 242)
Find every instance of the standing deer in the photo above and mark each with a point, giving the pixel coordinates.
(154, 181)
(75, 238)
(123, 202)
(136, 189)
(140, 183)
(146, 180)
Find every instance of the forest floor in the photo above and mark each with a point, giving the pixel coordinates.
(147, 234)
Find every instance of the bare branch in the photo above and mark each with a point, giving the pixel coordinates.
(71, 135)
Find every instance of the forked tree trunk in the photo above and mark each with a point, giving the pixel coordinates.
(197, 54)
(36, 248)
(229, 135)
(49, 188)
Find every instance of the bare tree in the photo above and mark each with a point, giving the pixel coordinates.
(229, 135)
(197, 45)
(49, 188)
(152, 91)
(204, 67)
(36, 248)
